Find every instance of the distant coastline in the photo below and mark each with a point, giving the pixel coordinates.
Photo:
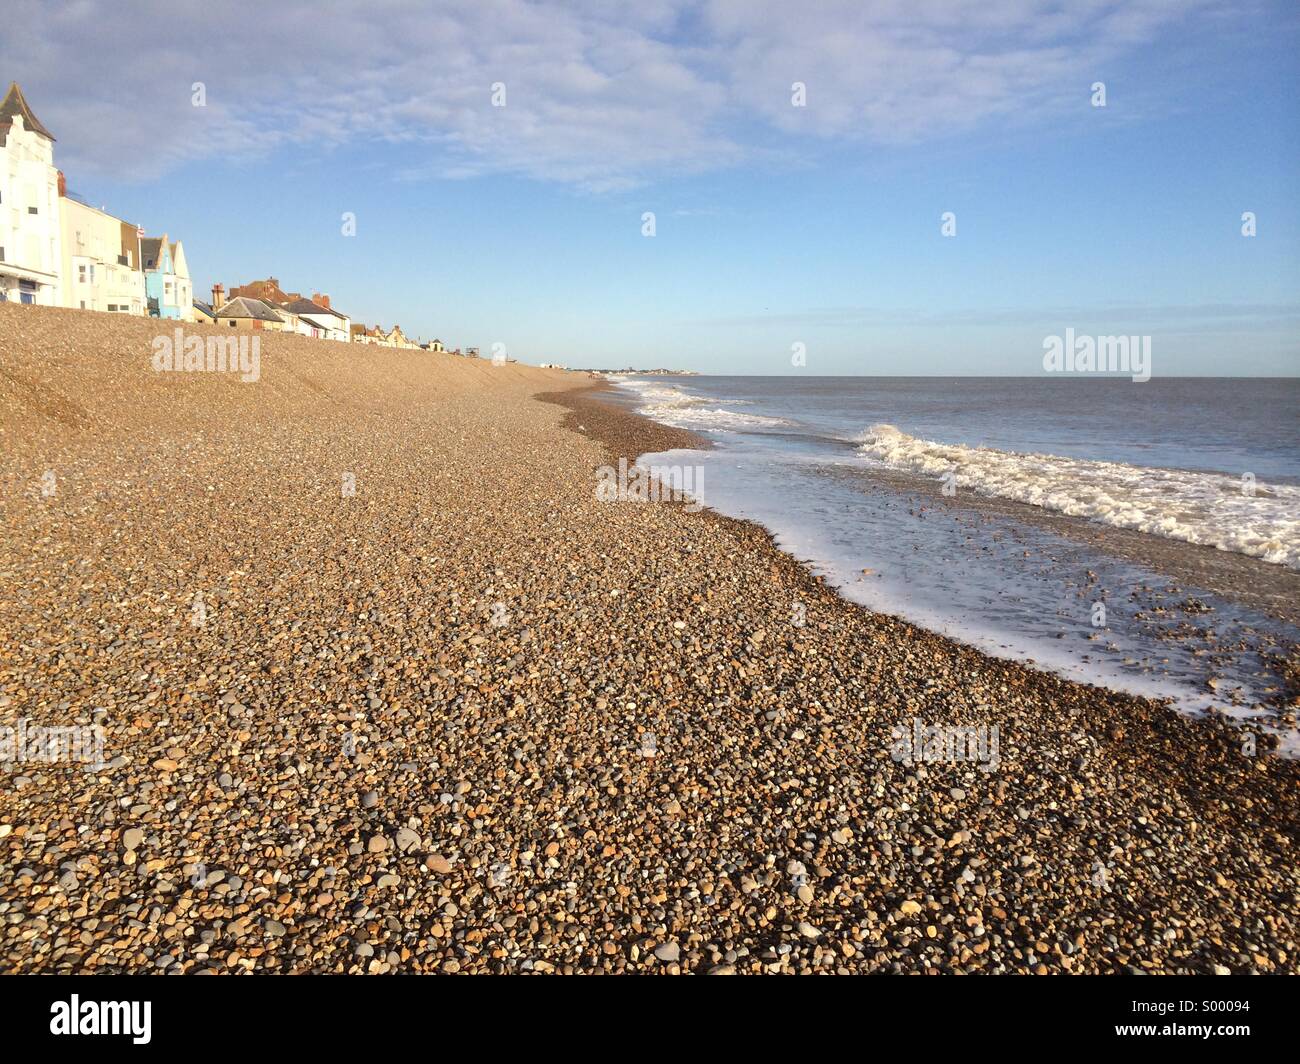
(643, 372)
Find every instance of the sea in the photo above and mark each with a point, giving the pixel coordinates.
(1033, 518)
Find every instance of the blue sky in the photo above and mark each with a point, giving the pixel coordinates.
(775, 225)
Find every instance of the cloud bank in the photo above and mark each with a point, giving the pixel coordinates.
(598, 95)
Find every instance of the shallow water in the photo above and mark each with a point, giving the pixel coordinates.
(856, 474)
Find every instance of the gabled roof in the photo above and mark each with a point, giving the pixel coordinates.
(15, 103)
(337, 313)
(151, 252)
(306, 306)
(247, 307)
(267, 290)
(204, 308)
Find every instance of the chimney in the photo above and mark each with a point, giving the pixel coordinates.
(217, 292)
(63, 185)
(321, 300)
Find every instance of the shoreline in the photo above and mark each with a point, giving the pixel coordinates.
(626, 432)
(471, 719)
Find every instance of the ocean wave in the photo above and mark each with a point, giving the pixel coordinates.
(673, 406)
(1205, 508)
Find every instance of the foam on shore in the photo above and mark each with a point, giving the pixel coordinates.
(1206, 508)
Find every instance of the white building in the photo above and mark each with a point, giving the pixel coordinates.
(313, 318)
(31, 254)
(101, 261)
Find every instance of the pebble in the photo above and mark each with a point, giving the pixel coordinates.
(349, 652)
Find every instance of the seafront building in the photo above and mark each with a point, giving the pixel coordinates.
(167, 279)
(58, 250)
(374, 335)
(101, 259)
(31, 250)
(314, 317)
(245, 312)
(397, 338)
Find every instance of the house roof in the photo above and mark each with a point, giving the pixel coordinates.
(15, 103)
(306, 306)
(247, 307)
(205, 308)
(268, 290)
(150, 252)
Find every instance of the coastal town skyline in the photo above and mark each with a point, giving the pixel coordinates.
(859, 213)
(64, 252)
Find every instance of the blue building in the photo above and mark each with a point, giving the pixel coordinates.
(166, 279)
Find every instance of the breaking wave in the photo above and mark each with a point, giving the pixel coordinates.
(1206, 508)
(673, 406)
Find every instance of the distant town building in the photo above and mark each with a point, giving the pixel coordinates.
(313, 317)
(31, 256)
(268, 290)
(316, 318)
(166, 278)
(397, 338)
(243, 312)
(101, 259)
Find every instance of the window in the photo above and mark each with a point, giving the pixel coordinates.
(83, 304)
(32, 210)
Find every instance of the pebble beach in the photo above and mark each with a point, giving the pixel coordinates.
(385, 688)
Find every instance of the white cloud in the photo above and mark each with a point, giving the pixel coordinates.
(600, 95)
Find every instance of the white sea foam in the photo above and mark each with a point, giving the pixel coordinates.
(1206, 508)
(673, 406)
